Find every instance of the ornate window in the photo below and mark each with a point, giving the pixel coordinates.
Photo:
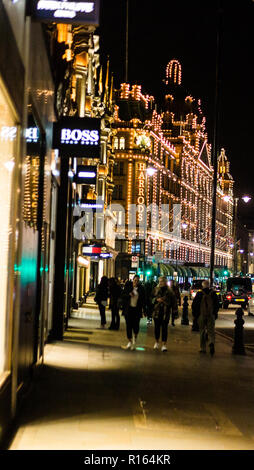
(122, 143)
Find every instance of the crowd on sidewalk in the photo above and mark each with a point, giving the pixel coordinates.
(158, 303)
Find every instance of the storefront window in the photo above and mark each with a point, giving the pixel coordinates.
(8, 139)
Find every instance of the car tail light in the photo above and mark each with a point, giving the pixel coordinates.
(229, 297)
(249, 297)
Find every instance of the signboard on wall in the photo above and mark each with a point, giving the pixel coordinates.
(86, 175)
(65, 11)
(77, 137)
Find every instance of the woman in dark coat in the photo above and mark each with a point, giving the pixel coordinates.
(101, 297)
(164, 304)
(133, 303)
(115, 292)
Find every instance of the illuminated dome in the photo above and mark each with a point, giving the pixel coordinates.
(178, 102)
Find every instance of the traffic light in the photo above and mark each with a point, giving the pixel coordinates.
(225, 272)
(148, 273)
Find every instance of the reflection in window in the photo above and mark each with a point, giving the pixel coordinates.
(8, 138)
(30, 207)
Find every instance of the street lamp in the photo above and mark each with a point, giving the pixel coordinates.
(246, 199)
(151, 171)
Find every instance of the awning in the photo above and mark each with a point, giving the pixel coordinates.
(170, 270)
(189, 273)
(184, 271)
(207, 272)
(201, 272)
(163, 269)
(166, 269)
(194, 272)
(179, 271)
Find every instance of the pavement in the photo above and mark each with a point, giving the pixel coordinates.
(91, 394)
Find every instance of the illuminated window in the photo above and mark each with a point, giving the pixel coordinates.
(122, 143)
(8, 139)
(116, 143)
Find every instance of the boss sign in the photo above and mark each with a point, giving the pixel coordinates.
(85, 137)
(77, 137)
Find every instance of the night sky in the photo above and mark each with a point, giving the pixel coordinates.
(186, 30)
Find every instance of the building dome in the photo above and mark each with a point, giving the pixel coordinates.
(178, 102)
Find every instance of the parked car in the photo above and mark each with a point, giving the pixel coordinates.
(238, 292)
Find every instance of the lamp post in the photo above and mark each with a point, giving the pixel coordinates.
(215, 137)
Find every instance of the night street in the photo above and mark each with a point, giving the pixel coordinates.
(91, 394)
(127, 228)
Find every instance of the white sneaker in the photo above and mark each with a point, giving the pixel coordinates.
(156, 346)
(164, 348)
(129, 345)
(133, 346)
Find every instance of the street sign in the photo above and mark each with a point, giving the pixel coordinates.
(86, 175)
(134, 261)
(91, 204)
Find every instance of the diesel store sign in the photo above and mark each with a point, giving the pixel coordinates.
(77, 137)
(66, 11)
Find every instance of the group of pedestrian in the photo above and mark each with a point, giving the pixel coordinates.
(157, 302)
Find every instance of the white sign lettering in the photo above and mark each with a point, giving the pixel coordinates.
(86, 174)
(65, 9)
(75, 136)
(32, 134)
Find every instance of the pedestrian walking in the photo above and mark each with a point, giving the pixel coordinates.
(176, 290)
(101, 298)
(165, 303)
(149, 289)
(205, 307)
(115, 292)
(133, 302)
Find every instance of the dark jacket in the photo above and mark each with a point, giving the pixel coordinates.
(197, 302)
(149, 290)
(102, 293)
(169, 304)
(176, 290)
(115, 293)
(126, 298)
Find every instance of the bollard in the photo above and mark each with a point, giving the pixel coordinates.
(238, 346)
(185, 318)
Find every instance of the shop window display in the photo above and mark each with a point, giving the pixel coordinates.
(8, 143)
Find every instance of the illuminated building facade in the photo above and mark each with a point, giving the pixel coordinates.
(175, 144)
(86, 92)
